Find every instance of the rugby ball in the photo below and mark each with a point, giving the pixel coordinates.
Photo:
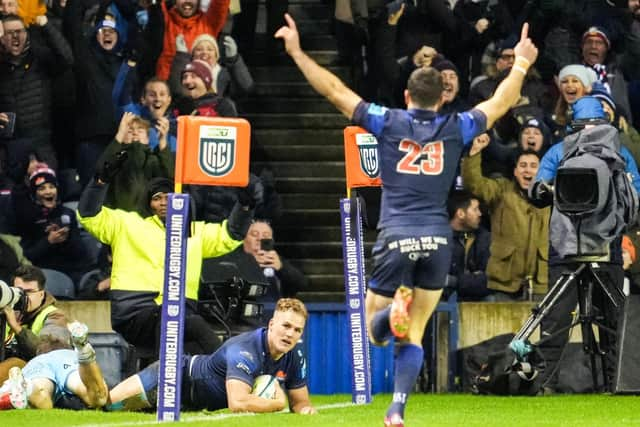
(265, 386)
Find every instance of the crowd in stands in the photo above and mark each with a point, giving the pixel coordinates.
(586, 48)
(96, 87)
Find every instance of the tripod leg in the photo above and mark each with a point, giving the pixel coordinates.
(547, 303)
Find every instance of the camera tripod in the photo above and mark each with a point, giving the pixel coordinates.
(585, 278)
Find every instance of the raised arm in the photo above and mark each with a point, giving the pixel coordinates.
(322, 80)
(508, 91)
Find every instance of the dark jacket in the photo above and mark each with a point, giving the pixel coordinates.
(95, 71)
(519, 231)
(32, 221)
(25, 82)
(469, 258)
(128, 188)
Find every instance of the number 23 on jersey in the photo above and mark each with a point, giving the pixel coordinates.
(427, 159)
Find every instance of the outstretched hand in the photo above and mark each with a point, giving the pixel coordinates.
(525, 47)
(289, 34)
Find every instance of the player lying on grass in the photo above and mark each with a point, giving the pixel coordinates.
(57, 373)
(224, 379)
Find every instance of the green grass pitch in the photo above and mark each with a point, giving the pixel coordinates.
(423, 410)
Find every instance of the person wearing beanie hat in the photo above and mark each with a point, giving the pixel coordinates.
(532, 134)
(197, 78)
(598, 54)
(599, 91)
(107, 34)
(585, 75)
(201, 97)
(228, 69)
(595, 45)
(451, 84)
(574, 82)
(205, 47)
(49, 230)
(44, 186)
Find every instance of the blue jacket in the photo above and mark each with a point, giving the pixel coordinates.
(551, 161)
(123, 102)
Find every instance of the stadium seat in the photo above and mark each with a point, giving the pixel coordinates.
(59, 284)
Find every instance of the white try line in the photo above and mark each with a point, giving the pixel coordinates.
(212, 417)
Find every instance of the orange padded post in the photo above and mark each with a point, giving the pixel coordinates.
(212, 151)
(362, 162)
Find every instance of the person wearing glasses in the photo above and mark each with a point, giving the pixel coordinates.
(21, 338)
(534, 99)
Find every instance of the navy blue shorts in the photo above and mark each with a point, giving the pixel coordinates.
(412, 256)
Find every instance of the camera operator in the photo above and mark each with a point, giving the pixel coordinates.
(587, 114)
(24, 325)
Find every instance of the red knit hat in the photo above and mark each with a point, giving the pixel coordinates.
(41, 175)
(597, 32)
(201, 69)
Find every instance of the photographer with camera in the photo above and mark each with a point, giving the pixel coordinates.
(255, 262)
(27, 308)
(582, 235)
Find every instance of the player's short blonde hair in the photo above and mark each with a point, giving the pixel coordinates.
(292, 304)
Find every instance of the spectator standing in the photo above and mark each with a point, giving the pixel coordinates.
(201, 98)
(153, 105)
(597, 53)
(184, 18)
(139, 163)
(231, 77)
(26, 70)
(95, 72)
(519, 250)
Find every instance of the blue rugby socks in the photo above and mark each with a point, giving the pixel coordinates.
(380, 329)
(408, 361)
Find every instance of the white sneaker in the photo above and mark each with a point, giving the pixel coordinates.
(17, 389)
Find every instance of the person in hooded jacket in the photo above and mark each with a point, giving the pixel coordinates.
(95, 71)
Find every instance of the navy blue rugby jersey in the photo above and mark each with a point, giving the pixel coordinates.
(244, 357)
(419, 152)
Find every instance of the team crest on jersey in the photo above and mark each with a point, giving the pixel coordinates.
(368, 148)
(217, 150)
